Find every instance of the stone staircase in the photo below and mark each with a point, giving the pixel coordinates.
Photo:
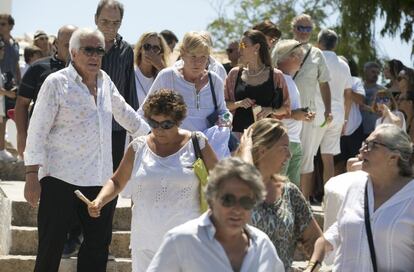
(18, 234)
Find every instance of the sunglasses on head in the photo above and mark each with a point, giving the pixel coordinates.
(305, 29)
(154, 48)
(167, 124)
(90, 51)
(230, 200)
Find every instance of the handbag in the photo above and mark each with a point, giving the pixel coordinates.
(201, 172)
(369, 231)
(213, 117)
(234, 142)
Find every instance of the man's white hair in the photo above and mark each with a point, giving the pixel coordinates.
(83, 33)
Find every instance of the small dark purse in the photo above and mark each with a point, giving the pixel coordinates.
(213, 117)
(277, 98)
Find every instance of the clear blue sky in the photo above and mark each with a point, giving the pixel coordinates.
(179, 16)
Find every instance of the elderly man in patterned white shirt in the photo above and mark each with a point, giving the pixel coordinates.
(69, 143)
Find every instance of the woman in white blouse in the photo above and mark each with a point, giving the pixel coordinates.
(151, 55)
(192, 81)
(387, 157)
(220, 239)
(158, 166)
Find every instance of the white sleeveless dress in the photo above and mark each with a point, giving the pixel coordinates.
(164, 191)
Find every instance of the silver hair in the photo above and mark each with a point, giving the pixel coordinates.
(399, 141)
(82, 33)
(235, 168)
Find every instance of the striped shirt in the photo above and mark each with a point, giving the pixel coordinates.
(118, 63)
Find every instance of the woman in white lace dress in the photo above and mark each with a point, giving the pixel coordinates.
(162, 182)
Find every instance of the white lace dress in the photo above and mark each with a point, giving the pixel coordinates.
(164, 191)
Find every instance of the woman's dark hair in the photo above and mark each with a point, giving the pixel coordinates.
(268, 28)
(395, 67)
(256, 36)
(165, 102)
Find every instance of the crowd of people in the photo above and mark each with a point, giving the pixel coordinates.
(98, 115)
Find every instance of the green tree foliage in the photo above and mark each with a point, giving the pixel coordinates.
(355, 21)
(229, 27)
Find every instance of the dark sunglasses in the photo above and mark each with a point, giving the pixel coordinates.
(230, 200)
(167, 124)
(90, 51)
(305, 29)
(229, 50)
(154, 48)
(383, 100)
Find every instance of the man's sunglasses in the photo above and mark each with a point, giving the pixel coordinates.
(230, 200)
(90, 51)
(167, 124)
(230, 50)
(305, 29)
(154, 48)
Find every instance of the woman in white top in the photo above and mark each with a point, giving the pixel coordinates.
(163, 185)
(220, 239)
(387, 157)
(386, 106)
(191, 80)
(151, 55)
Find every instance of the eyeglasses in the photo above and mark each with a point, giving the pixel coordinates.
(383, 100)
(230, 200)
(154, 48)
(369, 145)
(90, 51)
(107, 23)
(305, 29)
(167, 124)
(43, 38)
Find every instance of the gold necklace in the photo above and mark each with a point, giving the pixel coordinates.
(258, 73)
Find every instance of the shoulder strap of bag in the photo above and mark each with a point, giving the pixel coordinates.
(369, 231)
(303, 61)
(213, 93)
(196, 146)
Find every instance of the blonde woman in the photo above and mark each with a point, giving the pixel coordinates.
(197, 86)
(284, 215)
(151, 55)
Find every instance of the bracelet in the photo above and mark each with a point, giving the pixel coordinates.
(30, 172)
(314, 265)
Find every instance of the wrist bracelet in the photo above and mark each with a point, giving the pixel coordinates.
(314, 265)
(30, 172)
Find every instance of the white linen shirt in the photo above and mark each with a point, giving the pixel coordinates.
(193, 247)
(294, 126)
(69, 134)
(392, 230)
(355, 116)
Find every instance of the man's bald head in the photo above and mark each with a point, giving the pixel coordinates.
(62, 41)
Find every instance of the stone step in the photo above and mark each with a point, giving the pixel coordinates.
(24, 242)
(24, 215)
(20, 263)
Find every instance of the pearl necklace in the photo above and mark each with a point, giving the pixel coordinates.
(258, 73)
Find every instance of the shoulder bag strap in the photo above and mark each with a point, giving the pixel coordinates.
(303, 61)
(213, 93)
(369, 231)
(196, 146)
